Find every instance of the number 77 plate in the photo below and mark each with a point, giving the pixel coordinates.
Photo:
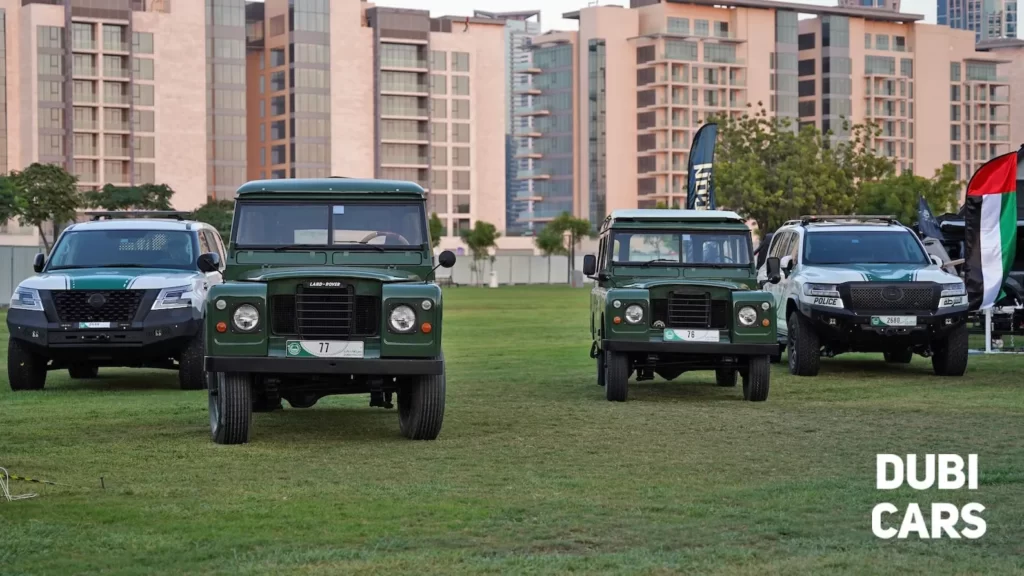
(323, 349)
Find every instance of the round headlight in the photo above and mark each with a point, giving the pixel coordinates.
(765, 306)
(245, 318)
(634, 314)
(402, 319)
(427, 304)
(617, 304)
(747, 316)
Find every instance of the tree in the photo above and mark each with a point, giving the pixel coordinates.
(898, 195)
(770, 173)
(577, 228)
(10, 202)
(480, 239)
(436, 230)
(144, 197)
(217, 213)
(551, 243)
(47, 193)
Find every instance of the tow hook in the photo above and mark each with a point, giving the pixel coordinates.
(379, 398)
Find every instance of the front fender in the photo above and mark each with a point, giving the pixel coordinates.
(758, 333)
(233, 342)
(626, 297)
(417, 344)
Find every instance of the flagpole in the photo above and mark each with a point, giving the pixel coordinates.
(988, 331)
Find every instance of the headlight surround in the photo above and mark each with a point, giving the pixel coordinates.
(173, 298)
(826, 290)
(747, 316)
(245, 318)
(26, 299)
(953, 290)
(402, 319)
(634, 313)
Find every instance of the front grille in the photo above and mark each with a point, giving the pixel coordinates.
(325, 313)
(690, 310)
(97, 305)
(891, 297)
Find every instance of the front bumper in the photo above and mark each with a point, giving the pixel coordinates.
(338, 366)
(847, 325)
(161, 334)
(696, 348)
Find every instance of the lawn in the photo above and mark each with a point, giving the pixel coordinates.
(534, 472)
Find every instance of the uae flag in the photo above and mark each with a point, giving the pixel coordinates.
(990, 212)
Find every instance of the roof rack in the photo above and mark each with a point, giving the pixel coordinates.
(112, 214)
(811, 219)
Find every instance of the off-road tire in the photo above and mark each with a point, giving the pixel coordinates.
(757, 379)
(230, 407)
(191, 372)
(616, 376)
(899, 356)
(600, 368)
(949, 356)
(25, 369)
(421, 406)
(804, 346)
(83, 371)
(725, 377)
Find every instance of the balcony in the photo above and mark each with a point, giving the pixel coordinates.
(405, 137)
(404, 88)
(115, 73)
(116, 126)
(84, 98)
(528, 153)
(529, 90)
(84, 71)
(404, 64)
(110, 45)
(532, 175)
(117, 151)
(406, 112)
(526, 68)
(83, 44)
(533, 111)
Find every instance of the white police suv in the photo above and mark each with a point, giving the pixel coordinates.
(863, 284)
(115, 292)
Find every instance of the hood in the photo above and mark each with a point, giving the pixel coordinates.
(838, 274)
(111, 279)
(689, 282)
(384, 276)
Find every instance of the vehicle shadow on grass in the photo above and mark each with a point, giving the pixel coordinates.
(349, 423)
(873, 367)
(109, 381)
(687, 390)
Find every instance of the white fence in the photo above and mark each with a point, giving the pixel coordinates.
(523, 269)
(15, 266)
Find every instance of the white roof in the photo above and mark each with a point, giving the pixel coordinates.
(831, 227)
(659, 214)
(135, 224)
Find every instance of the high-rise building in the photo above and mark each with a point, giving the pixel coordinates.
(878, 4)
(520, 29)
(689, 60)
(988, 19)
(109, 89)
(1011, 51)
(346, 88)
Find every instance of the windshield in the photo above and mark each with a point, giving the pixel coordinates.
(692, 248)
(282, 225)
(878, 247)
(126, 248)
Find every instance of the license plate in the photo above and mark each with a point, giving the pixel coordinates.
(894, 320)
(323, 349)
(685, 335)
(87, 325)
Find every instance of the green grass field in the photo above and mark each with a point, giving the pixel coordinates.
(534, 472)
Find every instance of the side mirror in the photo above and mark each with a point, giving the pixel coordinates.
(786, 264)
(446, 259)
(589, 265)
(935, 260)
(39, 262)
(209, 262)
(773, 270)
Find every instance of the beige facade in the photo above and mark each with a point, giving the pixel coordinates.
(1012, 51)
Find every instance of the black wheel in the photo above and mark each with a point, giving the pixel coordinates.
(600, 368)
(949, 356)
(26, 370)
(191, 372)
(725, 377)
(899, 356)
(804, 347)
(230, 407)
(83, 371)
(421, 406)
(616, 376)
(757, 379)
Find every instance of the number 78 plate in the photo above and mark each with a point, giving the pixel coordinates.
(323, 349)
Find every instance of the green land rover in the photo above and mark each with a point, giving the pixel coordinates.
(676, 290)
(327, 290)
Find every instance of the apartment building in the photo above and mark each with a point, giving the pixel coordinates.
(112, 90)
(693, 59)
(1011, 50)
(988, 19)
(346, 88)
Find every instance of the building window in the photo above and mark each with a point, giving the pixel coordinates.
(438, 108)
(805, 41)
(460, 204)
(679, 26)
(438, 156)
(460, 180)
(278, 154)
(277, 81)
(460, 157)
(460, 85)
(438, 203)
(460, 109)
(899, 43)
(881, 41)
(277, 106)
(460, 133)
(438, 132)
(700, 27)
(460, 62)
(438, 84)
(954, 71)
(438, 60)
(277, 131)
(867, 41)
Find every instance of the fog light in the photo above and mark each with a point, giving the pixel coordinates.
(222, 327)
(617, 304)
(831, 321)
(765, 306)
(158, 333)
(426, 328)
(617, 320)
(221, 304)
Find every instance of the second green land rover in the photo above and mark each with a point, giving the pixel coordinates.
(676, 291)
(328, 290)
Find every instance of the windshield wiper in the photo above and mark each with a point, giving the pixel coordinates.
(657, 260)
(376, 247)
(77, 267)
(297, 247)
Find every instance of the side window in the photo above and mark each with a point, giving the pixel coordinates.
(775, 250)
(794, 249)
(602, 253)
(204, 243)
(214, 241)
